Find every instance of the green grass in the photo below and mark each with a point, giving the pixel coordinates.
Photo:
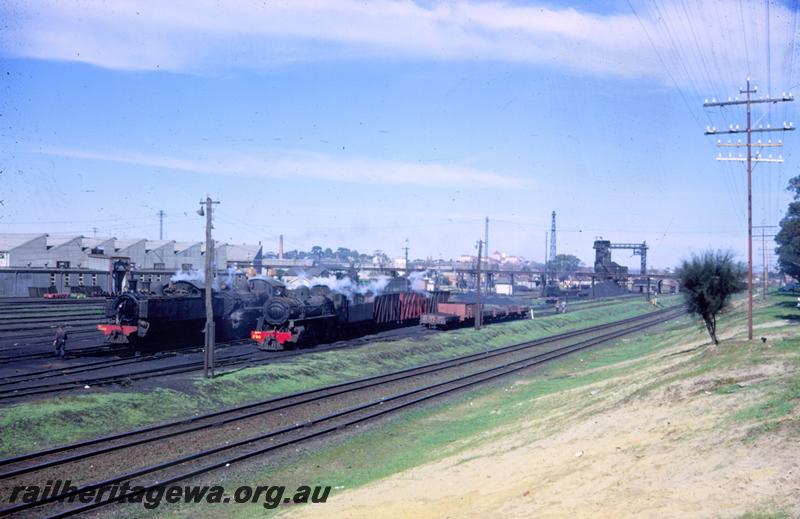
(424, 435)
(442, 429)
(780, 402)
(53, 421)
(765, 514)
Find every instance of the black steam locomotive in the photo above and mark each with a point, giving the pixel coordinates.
(305, 315)
(301, 316)
(178, 310)
(263, 309)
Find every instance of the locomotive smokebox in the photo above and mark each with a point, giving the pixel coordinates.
(277, 311)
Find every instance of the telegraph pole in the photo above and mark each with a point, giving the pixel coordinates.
(750, 159)
(486, 245)
(161, 224)
(208, 349)
(406, 251)
(553, 251)
(478, 307)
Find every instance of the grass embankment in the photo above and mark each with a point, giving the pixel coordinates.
(45, 423)
(727, 409)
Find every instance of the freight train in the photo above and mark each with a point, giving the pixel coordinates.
(447, 315)
(276, 317)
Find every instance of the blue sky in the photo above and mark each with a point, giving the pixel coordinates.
(342, 123)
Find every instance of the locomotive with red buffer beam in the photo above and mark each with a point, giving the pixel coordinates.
(317, 314)
(177, 311)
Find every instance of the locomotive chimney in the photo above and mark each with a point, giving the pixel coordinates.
(280, 247)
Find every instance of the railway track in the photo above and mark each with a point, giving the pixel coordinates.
(286, 420)
(25, 385)
(19, 388)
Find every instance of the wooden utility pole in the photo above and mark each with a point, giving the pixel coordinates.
(208, 349)
(750, 159)
(478, 307)
(486, 247)
(161, 224)
(406, 251)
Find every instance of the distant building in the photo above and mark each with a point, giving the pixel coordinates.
(188, 255)
(134, 249)
(159, 255)
(23, 250)
(64, 251)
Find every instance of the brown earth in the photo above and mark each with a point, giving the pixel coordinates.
(612, 450)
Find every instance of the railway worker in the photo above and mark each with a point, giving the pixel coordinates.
(60, 341)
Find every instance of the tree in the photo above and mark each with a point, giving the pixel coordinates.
(708, 281)
(788, 238)
(566, 264)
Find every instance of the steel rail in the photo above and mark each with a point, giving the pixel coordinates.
(304, 398)
(222, 412)
(480, 377)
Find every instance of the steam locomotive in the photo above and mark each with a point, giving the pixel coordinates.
(316, 314)
(262, 309)
(178, 310)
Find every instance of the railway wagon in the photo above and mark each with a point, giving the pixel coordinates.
(451, 315)
(405, 308)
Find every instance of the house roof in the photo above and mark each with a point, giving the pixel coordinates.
(57, 240)
(124, 244)
(242, 252)
(181, 246)
(11, 241)
(150, 245)
(91, 243)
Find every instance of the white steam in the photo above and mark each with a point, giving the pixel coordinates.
(188, 275)
(418, 281)
(345, 286)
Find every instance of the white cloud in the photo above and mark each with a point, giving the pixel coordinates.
(198, 35)
(308, 165)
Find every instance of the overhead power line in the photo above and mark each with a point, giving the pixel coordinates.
(748, 101)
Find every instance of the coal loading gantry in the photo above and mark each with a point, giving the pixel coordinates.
(607, 269)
